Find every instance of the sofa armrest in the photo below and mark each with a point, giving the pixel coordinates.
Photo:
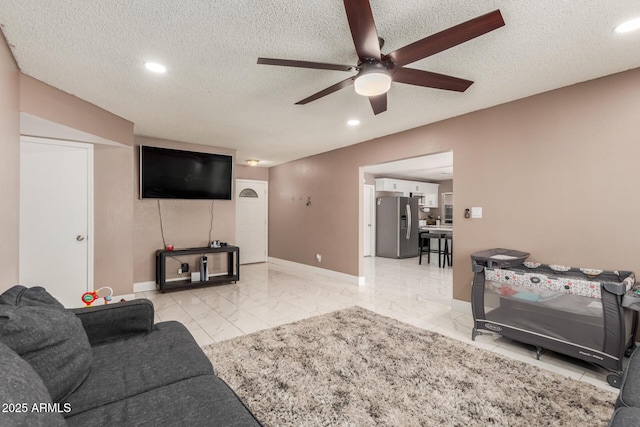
(110, 322)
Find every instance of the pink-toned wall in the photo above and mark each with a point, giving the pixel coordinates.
(444, 186)
(556, 175)
(113, 167)
(186, 223)
(9, 166)
(248, 172)
(329, 225)
(47, 102)
(113, 218)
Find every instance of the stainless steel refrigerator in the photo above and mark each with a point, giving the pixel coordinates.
(397, 227)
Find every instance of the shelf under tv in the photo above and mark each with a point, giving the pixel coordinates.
(232, 275)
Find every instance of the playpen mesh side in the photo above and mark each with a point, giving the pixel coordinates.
(574, 318)
(566, 305)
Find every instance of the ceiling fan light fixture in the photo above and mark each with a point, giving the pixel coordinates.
(252, 162)
(372, 83)
(155, 67)
(628, 26)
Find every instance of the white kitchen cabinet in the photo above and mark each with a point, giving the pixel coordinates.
(430, 192)
(388, 184)
(427, 189)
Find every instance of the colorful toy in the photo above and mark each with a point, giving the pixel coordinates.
(89, 297)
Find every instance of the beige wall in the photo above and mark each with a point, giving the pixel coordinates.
(47, 102)
(9, 166)
(186, 223)
(113, 167)
(248, 172)
(113, 218)
(444, 186)
(546, 170)
(329, 226)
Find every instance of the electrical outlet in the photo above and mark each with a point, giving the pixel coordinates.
(179, 271)
(184, 267)
(319, 257)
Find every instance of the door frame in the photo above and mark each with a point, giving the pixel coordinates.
(90, 196)
(372, 211)
(266, 213)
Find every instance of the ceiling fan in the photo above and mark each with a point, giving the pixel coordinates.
(376, 71)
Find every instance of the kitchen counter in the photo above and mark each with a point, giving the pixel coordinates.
(437, 228)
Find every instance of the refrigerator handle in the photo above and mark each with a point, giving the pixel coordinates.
(408, 221)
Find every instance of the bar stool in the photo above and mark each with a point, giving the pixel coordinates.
(424, 238)
(425, 247)
(447, 253)
(442, 246)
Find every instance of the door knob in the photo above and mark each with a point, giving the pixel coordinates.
(79, 237)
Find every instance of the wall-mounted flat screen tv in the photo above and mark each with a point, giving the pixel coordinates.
(175, 174)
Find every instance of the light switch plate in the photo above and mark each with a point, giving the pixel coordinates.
(476, 212)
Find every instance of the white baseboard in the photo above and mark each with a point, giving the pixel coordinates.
(356, 280)
(144, 286)
(151, 286)
(461, 306)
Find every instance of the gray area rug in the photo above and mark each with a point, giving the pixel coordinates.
(355, 367)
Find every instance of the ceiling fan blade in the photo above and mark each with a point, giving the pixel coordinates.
(363, 29)
(336, 87)
(412, 76)
(378, 103)
(304, 64)
(446, 39)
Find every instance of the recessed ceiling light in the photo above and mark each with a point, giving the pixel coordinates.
(155, 67)
(353, 122)
(628, 26)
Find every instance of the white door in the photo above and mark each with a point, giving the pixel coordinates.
(56, 217)
(369, 209)
(251, 220)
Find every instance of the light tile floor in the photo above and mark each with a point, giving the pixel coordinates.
(269, 295)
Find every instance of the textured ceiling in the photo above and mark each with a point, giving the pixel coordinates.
(214, 92)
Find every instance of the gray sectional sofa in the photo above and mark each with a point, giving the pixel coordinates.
(627, 412)
(107, 365)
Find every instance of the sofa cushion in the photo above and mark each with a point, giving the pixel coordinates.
(20, 389)
(625, 417)
(200, 401)
(37, 327)
(630, 389)
(125, 368)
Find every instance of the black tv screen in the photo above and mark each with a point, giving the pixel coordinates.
(177, 174)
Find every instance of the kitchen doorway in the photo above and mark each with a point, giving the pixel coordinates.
(428, 178)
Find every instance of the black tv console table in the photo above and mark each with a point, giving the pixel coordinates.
(233, 271)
